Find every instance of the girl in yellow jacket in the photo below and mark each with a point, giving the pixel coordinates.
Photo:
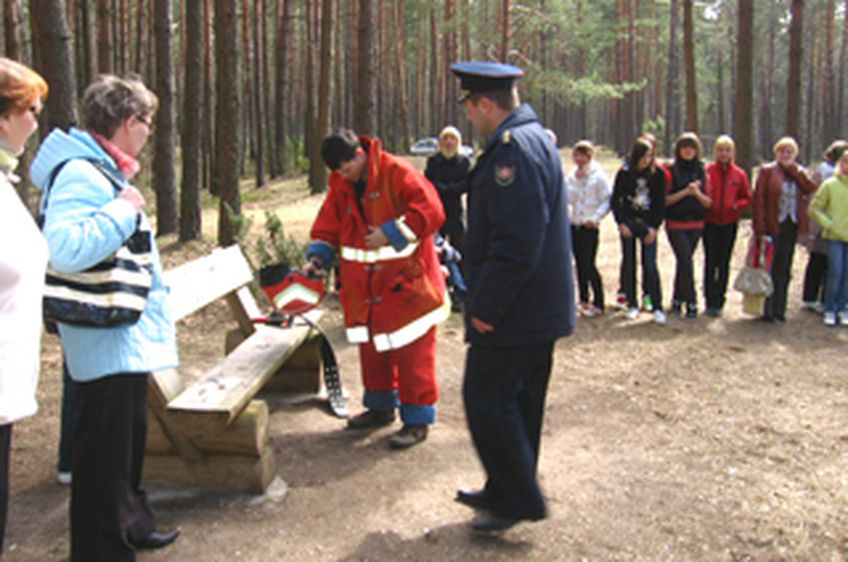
(830, 209)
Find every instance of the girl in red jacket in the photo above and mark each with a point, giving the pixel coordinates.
(730, 193)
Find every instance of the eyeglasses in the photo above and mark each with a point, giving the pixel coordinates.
(151, 126)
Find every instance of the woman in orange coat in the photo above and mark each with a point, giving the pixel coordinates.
(378, 220)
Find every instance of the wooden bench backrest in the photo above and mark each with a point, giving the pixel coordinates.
(197, 283)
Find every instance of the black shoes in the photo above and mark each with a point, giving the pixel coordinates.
(477, 499)
(157, 539)
(370, 419)
(492, 523)
(408, 436)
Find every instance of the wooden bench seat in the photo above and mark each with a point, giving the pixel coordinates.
(213, 433)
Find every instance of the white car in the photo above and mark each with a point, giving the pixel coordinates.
(430, 145)
(425, 147)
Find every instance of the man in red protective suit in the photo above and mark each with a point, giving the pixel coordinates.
(378, 222)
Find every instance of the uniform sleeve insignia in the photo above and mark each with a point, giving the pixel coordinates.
(504, 174)
(506, 137)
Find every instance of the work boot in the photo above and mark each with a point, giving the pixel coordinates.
(407, 436)
(371, 418)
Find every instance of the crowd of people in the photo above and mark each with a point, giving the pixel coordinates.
(385, 225)
(697, 201)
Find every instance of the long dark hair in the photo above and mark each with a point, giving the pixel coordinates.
(640, 148)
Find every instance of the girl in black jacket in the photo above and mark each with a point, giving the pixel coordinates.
(638, 202)
(685, 206)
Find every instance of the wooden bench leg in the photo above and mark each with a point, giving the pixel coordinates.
(302, 373)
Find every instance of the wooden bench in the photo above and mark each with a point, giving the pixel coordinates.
(213, 433)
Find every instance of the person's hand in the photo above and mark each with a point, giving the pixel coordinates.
(590, 224)
(625, 232)
(791, 168)
(134, 197)
(481, 326)
(312, 268)
(375, 238)
(651, 236)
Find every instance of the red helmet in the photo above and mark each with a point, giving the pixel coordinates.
(291, 292)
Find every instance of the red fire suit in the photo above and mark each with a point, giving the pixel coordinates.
(393, 296)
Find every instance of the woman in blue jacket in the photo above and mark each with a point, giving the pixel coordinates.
(87, 218)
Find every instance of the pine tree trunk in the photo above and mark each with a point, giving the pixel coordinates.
(504, 47)
(364, 117)
(208, 149)
(104, 37)
(164, 182)
(793, 83)
(247, 118)
(228, 139)
(814, 67)
(401, 77)
(672, 93)
(309, 62)
(449, 101)
(141, 19)
(689, 64)
(57, 64)
(258, 93)
(12, 28)
(281, 84)
(828, 85)
(267, 100)
(123, 23)
(86, 62)
(190, 217)
(840, 83)
(317, 169)
(744, 130)
(435, 74)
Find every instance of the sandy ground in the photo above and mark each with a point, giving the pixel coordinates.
(714, 439)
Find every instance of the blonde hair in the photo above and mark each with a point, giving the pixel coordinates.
(725, 141)
(786, 142)
(111, 100)
(20, 86)
(450, 131)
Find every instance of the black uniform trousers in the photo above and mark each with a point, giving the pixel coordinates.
(504, 393)
(781, 270)
(108, 508)
(718, 248)
(5, 453)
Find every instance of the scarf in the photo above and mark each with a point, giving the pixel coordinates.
(128, 165)
(8, 161)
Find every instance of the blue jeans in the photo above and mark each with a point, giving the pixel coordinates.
(837, 280)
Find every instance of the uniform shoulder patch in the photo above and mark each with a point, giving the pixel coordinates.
(506, 137)
(504, 174)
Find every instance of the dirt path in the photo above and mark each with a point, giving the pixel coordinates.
(706, 440)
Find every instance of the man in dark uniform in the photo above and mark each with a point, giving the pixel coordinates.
(518, 258)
